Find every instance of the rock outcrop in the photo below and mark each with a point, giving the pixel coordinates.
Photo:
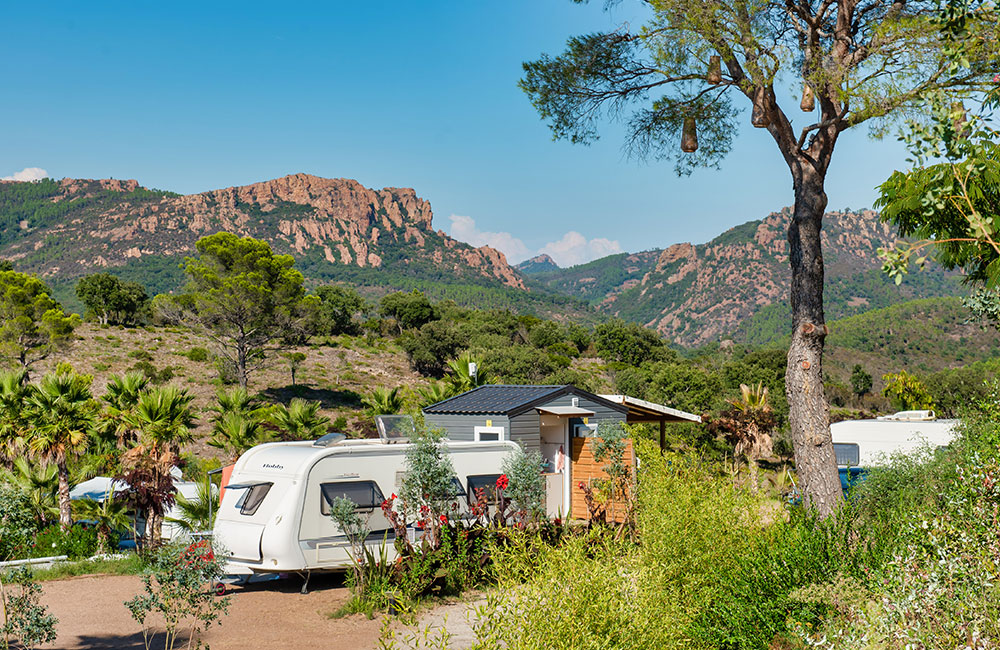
(335, 221)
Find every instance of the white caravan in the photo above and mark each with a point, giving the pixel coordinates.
(274, 514)
(865, 443)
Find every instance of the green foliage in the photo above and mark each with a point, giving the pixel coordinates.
(861, 381)
(37, 482)
(112, 300)
(409, 310)
(629, 343)
(197, 514)
(109, 517)
(197, 354)
(300, 420)
(62, 412)
(236, 433)
(906, 392)
(427, 490)
(18, 524)
(32, 324)
(432, 346)
(245, 298)
(526, 487)
(338, 308)
(78, 542)
(382, 401)
(176, 590)
(25, 619)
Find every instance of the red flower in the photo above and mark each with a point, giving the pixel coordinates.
(444, 519)
(503, 482)
(580, 485)
(393, 497)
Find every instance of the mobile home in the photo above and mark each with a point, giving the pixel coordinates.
(860, 444)
(557, 421)
(274, 514)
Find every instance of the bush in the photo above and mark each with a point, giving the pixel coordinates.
(197, 354)
(176, 587)
(18, 525)
(25, 619)
(78, 542)
(526, 487)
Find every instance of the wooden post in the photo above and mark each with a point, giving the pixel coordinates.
(663, 435)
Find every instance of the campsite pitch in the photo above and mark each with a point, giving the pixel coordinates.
(268, 615)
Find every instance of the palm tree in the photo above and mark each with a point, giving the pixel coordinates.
(382, 401)
(39, 482)
(109, 515)
(13, 395)
(749, 424)
(163, 418)
(121, 395)
(61, 411)
(236, 400)
(460, 376)
(437, 391)
(235, 433)
(300, 420)
(196, 514)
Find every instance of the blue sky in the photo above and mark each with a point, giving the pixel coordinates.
(197, 96)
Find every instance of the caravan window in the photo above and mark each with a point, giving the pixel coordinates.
(485, 482)
(364, 494)
(252, 498)
(848, 453)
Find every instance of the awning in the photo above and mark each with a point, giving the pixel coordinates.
(566, 411)
(639, 410)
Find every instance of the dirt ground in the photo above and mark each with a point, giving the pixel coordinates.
(265, 615)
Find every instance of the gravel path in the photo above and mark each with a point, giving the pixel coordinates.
(266, 615)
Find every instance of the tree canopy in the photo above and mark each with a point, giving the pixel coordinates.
(112, 300)
(32, 324)
(244, 298)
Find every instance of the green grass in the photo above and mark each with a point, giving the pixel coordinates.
(131, 564)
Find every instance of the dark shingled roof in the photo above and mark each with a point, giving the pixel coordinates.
(496, 399)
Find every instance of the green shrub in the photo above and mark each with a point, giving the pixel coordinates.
(18, 525)
(24, 618)
(197, 354)
(78, 542)
(140, 355)
(174, 589)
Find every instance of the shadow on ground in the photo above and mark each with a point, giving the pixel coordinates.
(327, 397)
(123, 641)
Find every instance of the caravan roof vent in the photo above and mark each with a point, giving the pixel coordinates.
(910, 416)
(329, 439)
(395, 428)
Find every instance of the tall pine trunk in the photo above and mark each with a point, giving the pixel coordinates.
(65, 513)
(809, 414)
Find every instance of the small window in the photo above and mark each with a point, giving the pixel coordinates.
(489, 434)
(252, 498)
(364, 494)
(848, 453)
(485, 482)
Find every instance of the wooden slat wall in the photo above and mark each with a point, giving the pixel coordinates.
(584, 469)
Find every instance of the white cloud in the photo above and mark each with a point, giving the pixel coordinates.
(27, 174)
(570, 249)
(573, 248)
(464, 229)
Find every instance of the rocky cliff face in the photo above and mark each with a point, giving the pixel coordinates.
(696, 294)
(336, 222)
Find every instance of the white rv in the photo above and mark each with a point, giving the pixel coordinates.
(860, 444)
(274, 514)
(864, 443)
